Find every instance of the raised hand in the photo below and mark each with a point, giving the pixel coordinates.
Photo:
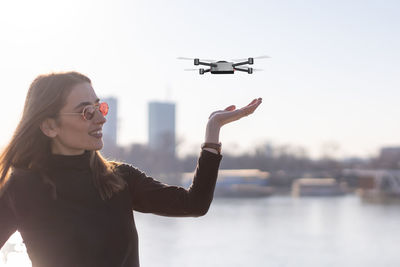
(222, 117)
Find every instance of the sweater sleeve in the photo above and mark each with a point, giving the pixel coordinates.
(8, 224)
(151, 196)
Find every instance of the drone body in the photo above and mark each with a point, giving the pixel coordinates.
(224, 67)
(221, 67)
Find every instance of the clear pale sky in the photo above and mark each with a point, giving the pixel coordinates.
(333, 76)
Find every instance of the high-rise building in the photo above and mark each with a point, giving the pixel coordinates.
(390, 153)
(162, 127)
(390, 157)
(110, 128)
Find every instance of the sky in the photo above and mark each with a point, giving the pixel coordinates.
(331, 84)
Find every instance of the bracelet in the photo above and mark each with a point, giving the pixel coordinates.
(216, 146)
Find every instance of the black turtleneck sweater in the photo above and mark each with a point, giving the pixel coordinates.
(79, 228)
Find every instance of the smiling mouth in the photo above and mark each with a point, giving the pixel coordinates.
(97, 133)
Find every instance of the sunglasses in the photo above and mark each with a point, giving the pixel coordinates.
(89, 111)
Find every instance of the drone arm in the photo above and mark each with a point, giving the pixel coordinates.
(239, 69)
(240, 63)
(249, 70)
(207, 64)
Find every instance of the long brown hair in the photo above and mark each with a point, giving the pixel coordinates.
(29, 148)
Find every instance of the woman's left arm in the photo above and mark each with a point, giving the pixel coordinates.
(149, 195)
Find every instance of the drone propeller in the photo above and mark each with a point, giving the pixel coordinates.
(185, 58)
(245, 59)
(189, 58)
(191, 69)
(259, 57)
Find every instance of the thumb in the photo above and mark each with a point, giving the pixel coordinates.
(230, 108)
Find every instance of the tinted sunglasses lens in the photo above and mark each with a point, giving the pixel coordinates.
(103, 107)
(88, 112)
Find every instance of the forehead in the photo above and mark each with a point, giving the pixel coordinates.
(82, 92)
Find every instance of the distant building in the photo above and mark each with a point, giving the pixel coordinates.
(110, 128)
(162, 127)
(388, 153)
(377, 185)
(389, 157)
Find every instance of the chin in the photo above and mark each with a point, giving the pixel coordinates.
(97, 146)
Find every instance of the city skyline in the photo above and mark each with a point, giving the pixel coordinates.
(331, 83)
(161, 134)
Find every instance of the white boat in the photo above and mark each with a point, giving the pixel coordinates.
(238, 183)
(317, 187)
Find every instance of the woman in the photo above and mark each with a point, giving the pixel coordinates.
(73, 207)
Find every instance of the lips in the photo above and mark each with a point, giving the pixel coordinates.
(98, 133)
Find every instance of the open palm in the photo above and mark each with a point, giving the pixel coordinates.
(222, 117)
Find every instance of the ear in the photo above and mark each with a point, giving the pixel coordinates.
(48, 127)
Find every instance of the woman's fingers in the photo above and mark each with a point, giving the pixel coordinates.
(255, 100)
(252, 102)
(247, 110)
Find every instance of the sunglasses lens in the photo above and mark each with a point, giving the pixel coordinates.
(103, 107)
(88, 112)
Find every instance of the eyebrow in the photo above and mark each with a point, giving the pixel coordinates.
(83, 104)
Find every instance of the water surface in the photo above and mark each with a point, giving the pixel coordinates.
(274, 231)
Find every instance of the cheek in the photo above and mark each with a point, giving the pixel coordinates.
(80, 127)
(76, 135)
(72, 132)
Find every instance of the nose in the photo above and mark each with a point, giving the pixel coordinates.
(99, 118)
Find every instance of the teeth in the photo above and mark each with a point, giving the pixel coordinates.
(97, 132)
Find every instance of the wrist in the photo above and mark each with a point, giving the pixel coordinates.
(212, 133)
(212, 147)
(212, 150)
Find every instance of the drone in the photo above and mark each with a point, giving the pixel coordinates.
(224, 67)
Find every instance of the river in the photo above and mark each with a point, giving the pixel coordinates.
(275, 231)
